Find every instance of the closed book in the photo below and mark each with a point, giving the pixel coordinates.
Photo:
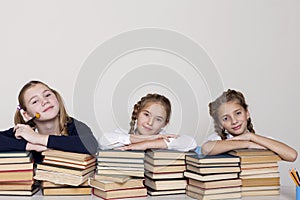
(139, 173)
(265, 175)
(167, 154)
(164, 192)
(120, 194)
(251, 152)
(153, 161)
(215, 184)
(255, 171)
(221, 158)
(121, 154)
(231, 195)
(260, 159)
(255, 188)
(173, 184)
(168, 175)
(18, 185)
(69, 162)
(120, 160)
(10, 154)
(109, 185)
(16, 175)
(210, 177)
(164, 168)
(203, 191)
(20, 192)
(68, 155)
(112, 177)
(258, 165)
(22, 159)
(48, 184)
(67, 191)
(61, 178)
(120, 168)
(212, 170)
(234, 164)
(16, 166)
(63, 169)
(116, 164)
(261, 182)
(261, 193)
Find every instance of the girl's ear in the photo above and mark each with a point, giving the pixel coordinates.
(25, 115)
(247, 114)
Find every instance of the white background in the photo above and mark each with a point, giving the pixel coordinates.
(254, 45)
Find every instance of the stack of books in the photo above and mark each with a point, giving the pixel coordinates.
(259, 171)
(119, 174)
(213, 177)
(16, 174)
(65, 173)
(164, 172)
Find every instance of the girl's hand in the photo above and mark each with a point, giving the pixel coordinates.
(35, 147)
(253, 145)
(135, 146)
(244, 136)
(25, 132)
(165, 136)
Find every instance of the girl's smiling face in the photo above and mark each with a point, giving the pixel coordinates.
(233, 118)
(151, 119)
(40, 99)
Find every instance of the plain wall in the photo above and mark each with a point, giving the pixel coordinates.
(251, 46)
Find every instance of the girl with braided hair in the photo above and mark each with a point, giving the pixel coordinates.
(150, 115)
(234, 129)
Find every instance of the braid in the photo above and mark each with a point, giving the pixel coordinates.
(143, 102)
(250, 126)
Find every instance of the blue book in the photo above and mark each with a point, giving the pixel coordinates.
(209, 159)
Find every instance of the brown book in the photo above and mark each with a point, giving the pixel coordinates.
(167, 154)
(258, 165)
(61, 178)
(164, 192)
(204, 191)
(63, 169)
(119, 194)
(164, 168)
(216, 183)
(256, 171)
(112, 153)
(261, 182)
(20, 192)
(69, 162)
(172, 175)
(109, 185)
(67, 191)
(68, 155)
(174, 184)
(210, 159)
(210, 177)
(231, 195)
(212, 170)
(17, 185)
(251, 152)
(112, 177)
(153, 161)
(16, 166)
(16, 175)
(260, 159)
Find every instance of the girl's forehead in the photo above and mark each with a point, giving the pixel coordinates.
(229, 107)
(35, 90)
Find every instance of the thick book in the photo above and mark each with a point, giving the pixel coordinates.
(11, 154)
(261, 182)
(68, 155)
(172, 175)
(153, 161)
(255, 171)
(139, 173)
(232, 195)
(61, 178)
(67, 191)
(258, 165)
(112, 177)
(210, 177)
(152, 192)
(113, 153)
(167, 154)
(63, 169)
(69, 162)
(215, 184)
(48, 184)
(235, 164)
(174, 184)
(120, 194)
(109, 185)
(266, 175)
(220, 158)
(16, 159)
(16, 166)
(18, 185)
(16, 175)
(251, 152)
(212, 170)
(20, 192)
(203, 191)
(116, 164)
(164, 168)
(260, 159)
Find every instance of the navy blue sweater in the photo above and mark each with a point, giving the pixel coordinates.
(79, 140)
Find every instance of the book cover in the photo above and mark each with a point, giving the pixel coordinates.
(16, 175)
(167, 154)
(232, 195)
(212, 170)
(64, 169)
(69, 162)
(120, 194)
(216, 184)
(203, 191)
(20, 192)
(156, 161)
(168, 175)
(251, 152)
(68, 155)
(14, 159)
(121, 154)
(255, 171)
(112, 177)
(210, 177)
(220, 158)
(261, 182)
(164, 192)
(67, 191)
(260, 159)
(109, 185)
(16, 166)
(164, 168)
(174, 184)
(139, 173)
(10, 154)
(120, 160)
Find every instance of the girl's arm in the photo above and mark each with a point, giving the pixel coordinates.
(284, 151)
(151, 144)
(8, 143)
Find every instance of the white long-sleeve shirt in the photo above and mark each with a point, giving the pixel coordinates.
(119, 138)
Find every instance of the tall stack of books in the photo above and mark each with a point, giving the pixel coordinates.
(119, 174)
(213, 177)
(16, 174)
(259, 171)
(164, 172)
(65, 173)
